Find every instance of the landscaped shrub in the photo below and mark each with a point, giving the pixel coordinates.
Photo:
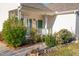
(50, 41)
(63, 36)
(14, 32)
(35, 36)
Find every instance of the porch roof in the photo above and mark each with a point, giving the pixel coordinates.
(38, 6)
(53, 8)
(62, 6)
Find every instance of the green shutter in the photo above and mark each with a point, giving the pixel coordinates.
(30, 21)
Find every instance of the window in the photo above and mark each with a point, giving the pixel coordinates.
(29, 23)
(40, 24)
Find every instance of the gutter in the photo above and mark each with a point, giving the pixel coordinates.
(63, 12)
(66, 12)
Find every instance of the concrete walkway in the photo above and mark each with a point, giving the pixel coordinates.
(4, 51)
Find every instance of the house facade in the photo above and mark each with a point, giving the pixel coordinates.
(49, 18)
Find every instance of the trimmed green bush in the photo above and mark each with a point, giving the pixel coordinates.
(50, 40)
(14, 32)
(63, 36)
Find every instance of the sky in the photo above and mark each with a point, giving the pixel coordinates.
(4, 9)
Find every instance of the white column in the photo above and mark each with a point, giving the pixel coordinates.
(46, 19)
(19, 12)
(25, 21)
(46, 22)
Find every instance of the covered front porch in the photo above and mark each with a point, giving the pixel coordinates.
(41, 20)
(43, 25)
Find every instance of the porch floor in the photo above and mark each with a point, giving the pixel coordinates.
(5, 51)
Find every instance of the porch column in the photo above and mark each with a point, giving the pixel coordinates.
(19, 12)
(46, 19)
(45, 22)
(25, 21)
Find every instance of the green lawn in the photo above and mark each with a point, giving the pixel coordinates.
(71, 49)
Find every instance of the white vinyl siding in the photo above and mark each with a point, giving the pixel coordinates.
(65, 21)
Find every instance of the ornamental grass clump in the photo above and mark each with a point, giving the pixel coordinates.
(35, 36)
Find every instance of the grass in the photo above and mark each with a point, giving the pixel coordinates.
(71, 49)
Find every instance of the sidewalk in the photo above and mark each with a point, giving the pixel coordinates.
(4, 51)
